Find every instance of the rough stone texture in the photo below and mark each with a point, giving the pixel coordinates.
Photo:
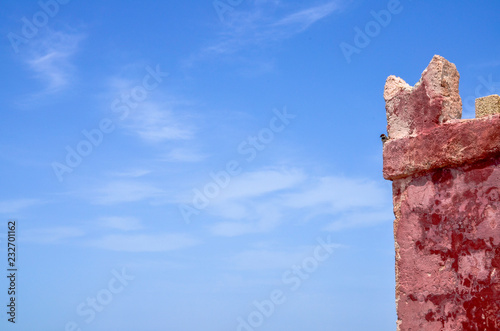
(448, 237)
(450, 144)
(446, 188)
(432, 101)
(489, 105)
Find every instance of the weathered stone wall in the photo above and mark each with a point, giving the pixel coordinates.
(446, 187)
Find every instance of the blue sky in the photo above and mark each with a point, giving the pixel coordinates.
(213, 165)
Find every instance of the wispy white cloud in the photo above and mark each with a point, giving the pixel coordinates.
(258, 183)
(133, 173)
(337, 194)
(51, 235)
(241, 202)
(261, 201)
(150, 113)
(116, 192)
(305, 18)
(50, 58)
(258, 26)
(184, 155)
(232, 229)
(156, 122)
(16, 205)
(144, 242)
(120, 223)
(257, 218)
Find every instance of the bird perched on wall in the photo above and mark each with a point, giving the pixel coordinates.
(384, 138)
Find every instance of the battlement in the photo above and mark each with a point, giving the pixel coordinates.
(424, 126)
(446, 178)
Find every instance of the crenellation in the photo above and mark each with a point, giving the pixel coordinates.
(432, 101)
(446, 188)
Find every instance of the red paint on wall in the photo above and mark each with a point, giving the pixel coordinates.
(446, 192)
(449, 246)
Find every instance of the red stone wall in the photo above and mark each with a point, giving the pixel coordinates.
(446, 188)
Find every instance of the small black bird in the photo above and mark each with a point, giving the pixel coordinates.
(384, 138)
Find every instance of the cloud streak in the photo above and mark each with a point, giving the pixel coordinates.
(261, 201)
(184, 155)
(116, 192)
(120, 223)
(50, 59)
(305, 18)
(145, 110)
(154, 122)
(134, 173)
(144, 242)
(257, 27)
(16, 205)
(51, 235)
